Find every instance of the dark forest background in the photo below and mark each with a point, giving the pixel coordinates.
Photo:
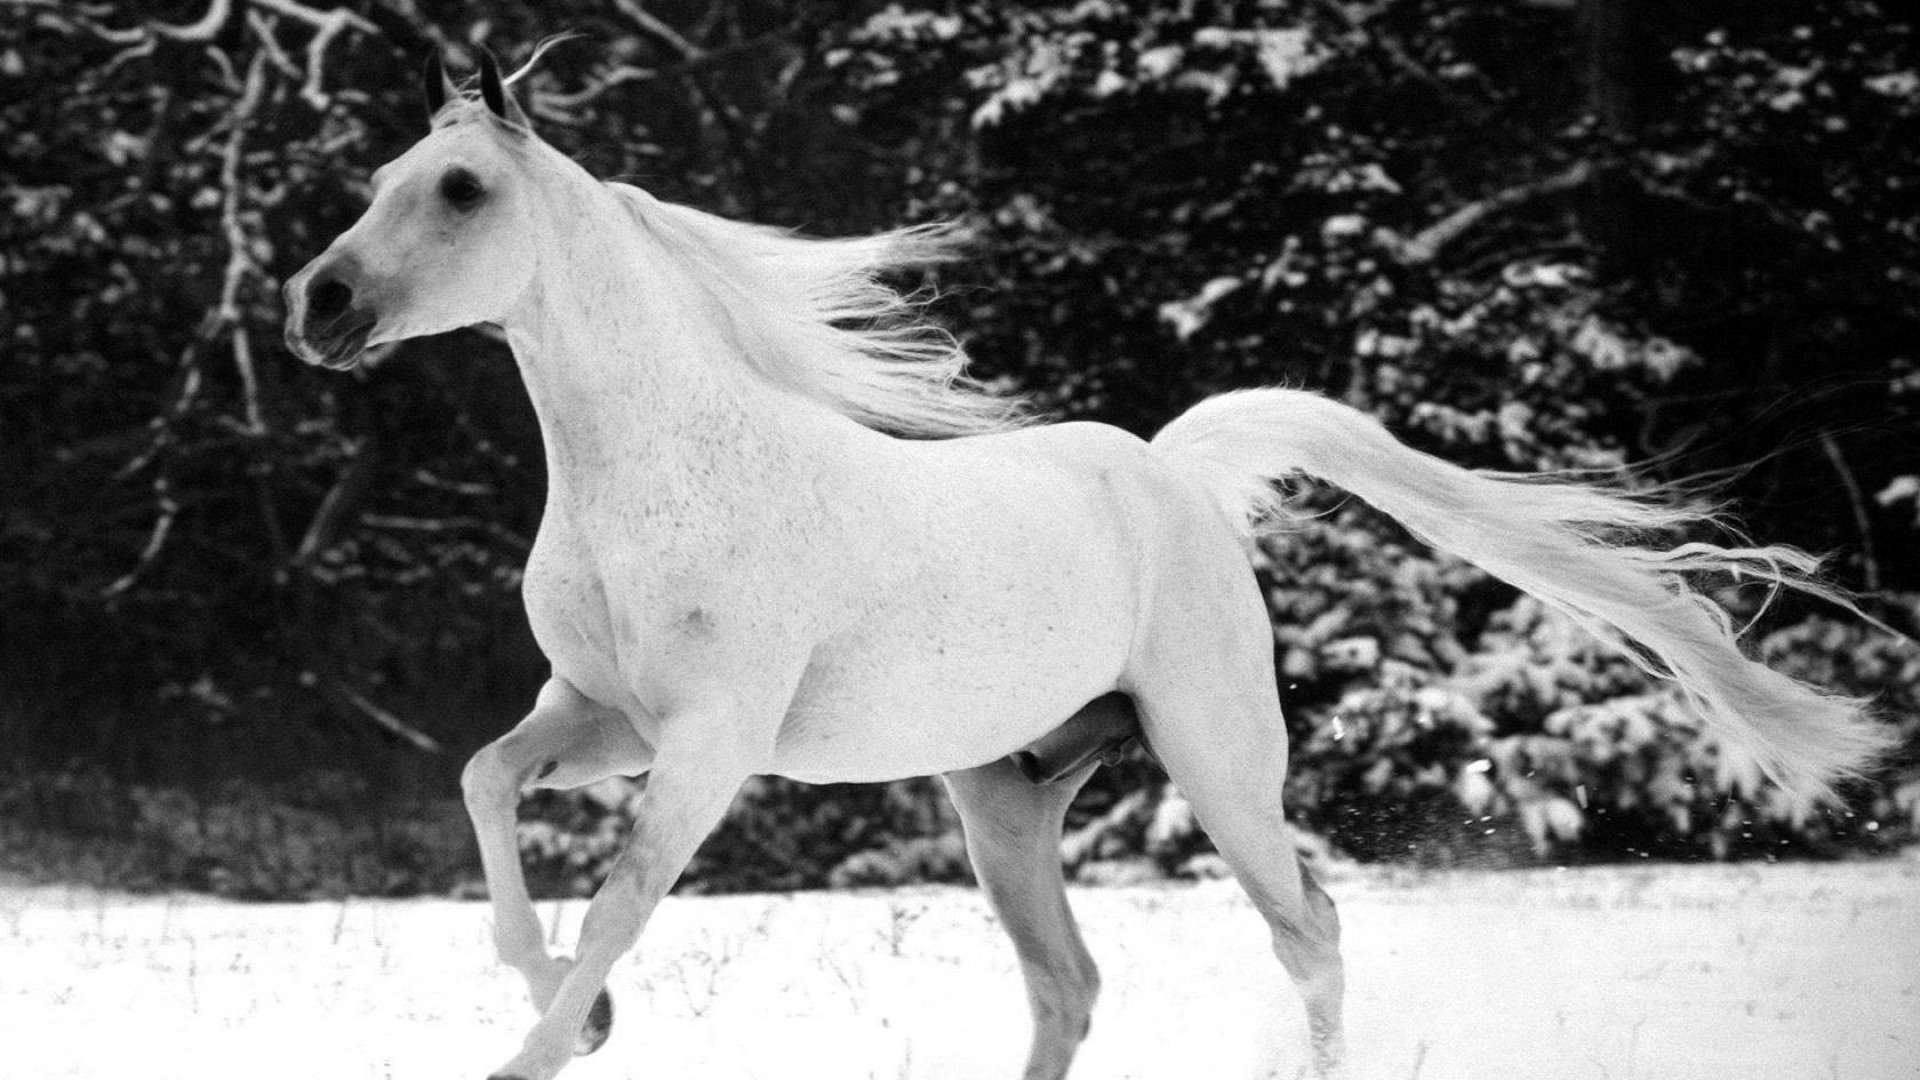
(254, 616)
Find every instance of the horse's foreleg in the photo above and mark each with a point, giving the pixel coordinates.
(696, 771)
(567, 741)
(1013, 837)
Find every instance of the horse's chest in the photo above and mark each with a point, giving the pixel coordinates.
(571, 612)
(632, 612)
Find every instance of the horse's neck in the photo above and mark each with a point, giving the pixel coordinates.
(639, 409)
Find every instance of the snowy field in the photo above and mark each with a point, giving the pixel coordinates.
(1804, 972)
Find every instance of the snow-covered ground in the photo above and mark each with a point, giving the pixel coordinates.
(1803, 972)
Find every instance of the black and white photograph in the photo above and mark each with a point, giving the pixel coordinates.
(959, 540)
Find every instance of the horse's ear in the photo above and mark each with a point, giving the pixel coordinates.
(495, 92)
(437, 85)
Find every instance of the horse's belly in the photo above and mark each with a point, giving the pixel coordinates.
(959, 676)
(885, 714)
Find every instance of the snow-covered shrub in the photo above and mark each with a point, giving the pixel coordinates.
(1439, 717)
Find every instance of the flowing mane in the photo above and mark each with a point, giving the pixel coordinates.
(815, 317)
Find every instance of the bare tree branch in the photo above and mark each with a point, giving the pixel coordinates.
(263, 32)
(625, 73)
(1426, 245)
(458, 523)
(202, 30)
(393, 724)
(1862, 523)
(555, 104)
(142, 40)
(339, 501)
(139, 41)
(190, 383)
(239, 261)
(327, 25)
(658, 29)
(156, 539)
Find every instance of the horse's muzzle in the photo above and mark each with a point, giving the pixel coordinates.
(324, 324)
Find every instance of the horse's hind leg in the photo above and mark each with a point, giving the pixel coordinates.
(1013, 837)
(1228, 754)
(1210, 712)
(566, 741)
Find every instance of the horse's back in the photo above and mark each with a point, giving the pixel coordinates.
(1172, 523)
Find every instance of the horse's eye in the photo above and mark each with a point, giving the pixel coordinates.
(461, 188)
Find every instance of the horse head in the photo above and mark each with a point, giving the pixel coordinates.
(449, 239)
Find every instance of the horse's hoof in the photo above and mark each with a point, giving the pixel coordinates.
(599, 1025)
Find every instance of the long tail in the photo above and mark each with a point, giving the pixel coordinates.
(1567, 543)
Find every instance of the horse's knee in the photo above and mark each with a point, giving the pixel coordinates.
(490, 776)
(545, 750)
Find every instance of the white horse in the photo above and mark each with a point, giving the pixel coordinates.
(741, 568)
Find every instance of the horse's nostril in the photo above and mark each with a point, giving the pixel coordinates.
(328, 299)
